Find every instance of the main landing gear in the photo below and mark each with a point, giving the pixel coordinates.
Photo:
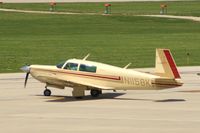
(78, 94)
(47, 92)
(95, 92)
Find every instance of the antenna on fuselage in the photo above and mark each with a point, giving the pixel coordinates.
(86, 56)
(127, 65)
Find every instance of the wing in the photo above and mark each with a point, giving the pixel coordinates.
(92, 85)
(71, 83)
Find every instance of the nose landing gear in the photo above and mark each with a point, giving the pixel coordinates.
(47, 92)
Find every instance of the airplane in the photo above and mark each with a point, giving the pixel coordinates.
(82, 75)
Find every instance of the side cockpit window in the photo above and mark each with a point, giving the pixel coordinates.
(87, 68)
(60, 65)
(71, 66)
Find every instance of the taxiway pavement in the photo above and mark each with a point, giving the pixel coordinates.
(26, 110)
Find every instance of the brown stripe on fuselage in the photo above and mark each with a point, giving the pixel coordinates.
(166, 84)
(82, 74)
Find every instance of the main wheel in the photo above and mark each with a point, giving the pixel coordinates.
(47, 92)
(95, 93)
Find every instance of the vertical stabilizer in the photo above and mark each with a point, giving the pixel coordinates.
(165, 64)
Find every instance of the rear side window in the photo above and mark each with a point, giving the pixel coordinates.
(71, 66)
(87, 68)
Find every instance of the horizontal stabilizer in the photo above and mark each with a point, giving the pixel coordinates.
(167, 82)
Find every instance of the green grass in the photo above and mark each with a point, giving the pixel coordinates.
(116, 39)
(129, 8)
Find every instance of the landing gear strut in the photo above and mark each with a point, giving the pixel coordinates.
(47, 92)
(95, 93)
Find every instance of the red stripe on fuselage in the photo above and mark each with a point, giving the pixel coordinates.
(81, 74)
(172, 64)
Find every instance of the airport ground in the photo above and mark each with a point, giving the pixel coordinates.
(43, 1)
(27, 110)
(32, 38)
(184, 8)
(115, 39)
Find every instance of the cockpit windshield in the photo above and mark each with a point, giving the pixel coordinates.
(60, 65)
(71, 66)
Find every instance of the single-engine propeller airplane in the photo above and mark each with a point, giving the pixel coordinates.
(82, 75)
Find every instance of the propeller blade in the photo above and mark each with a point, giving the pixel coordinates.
(26, 79)
(26, 69)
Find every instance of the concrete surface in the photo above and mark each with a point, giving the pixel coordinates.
(193, 18)
(25, 110)
(45, 12)
(44, 1)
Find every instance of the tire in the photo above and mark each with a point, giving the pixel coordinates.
(47, 92)
(95, 93)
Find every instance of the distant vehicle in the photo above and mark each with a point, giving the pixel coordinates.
(82, 75)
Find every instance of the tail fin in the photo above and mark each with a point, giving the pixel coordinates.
(165, 64)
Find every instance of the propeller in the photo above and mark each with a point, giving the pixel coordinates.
(26, 79)
(27, 70)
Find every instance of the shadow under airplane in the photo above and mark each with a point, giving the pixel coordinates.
(113, 96)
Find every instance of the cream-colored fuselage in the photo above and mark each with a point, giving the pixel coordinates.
(84, 75)
(106, 77)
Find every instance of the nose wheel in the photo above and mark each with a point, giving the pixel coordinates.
(47, 92)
